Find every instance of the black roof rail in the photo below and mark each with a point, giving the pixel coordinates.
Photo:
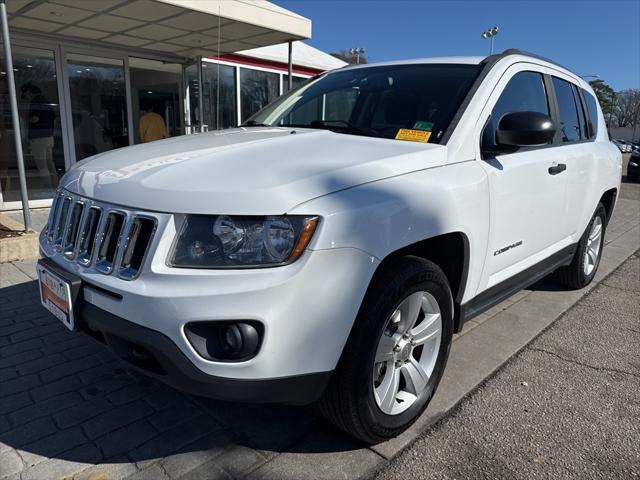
(516, 51)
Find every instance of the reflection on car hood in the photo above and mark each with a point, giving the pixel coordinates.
(244, 171)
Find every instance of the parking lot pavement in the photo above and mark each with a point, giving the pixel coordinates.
(69, 409)
(566, 407)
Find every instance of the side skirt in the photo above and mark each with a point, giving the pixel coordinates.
(496, 294)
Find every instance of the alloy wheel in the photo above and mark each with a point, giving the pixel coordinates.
(594, 246)
(407, 352)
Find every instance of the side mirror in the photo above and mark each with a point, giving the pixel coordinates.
(525, 129)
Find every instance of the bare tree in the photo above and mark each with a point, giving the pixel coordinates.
(626, 111)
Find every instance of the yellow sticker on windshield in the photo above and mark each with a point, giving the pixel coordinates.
(413, 135)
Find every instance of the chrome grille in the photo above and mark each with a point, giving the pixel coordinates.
(112, 240)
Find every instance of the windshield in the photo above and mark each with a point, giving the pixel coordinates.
(376, 101)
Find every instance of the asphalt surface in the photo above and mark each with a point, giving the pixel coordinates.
(567, 406)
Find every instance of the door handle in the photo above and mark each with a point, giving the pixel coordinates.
(558, 168)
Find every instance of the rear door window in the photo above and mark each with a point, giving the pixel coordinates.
(568, 111)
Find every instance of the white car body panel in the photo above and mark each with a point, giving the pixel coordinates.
(384, 216)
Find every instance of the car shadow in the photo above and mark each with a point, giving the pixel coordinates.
(66, 396)
(547, 284)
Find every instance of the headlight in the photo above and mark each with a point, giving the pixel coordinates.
(241, 242)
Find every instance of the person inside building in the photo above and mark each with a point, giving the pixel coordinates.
(41, 121)
(152, 126)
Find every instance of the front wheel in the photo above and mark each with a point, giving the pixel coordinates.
(396, 353)
(586, 260)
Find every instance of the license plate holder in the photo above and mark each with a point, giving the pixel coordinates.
(59, 292)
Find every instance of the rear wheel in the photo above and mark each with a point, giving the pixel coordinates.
(396, 353)
(586, 260)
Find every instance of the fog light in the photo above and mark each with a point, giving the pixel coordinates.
(231, 340)
(225, 341)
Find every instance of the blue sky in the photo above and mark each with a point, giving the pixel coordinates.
(589, 37)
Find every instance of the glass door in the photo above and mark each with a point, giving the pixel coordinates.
(39, 115)
(98, 104)
(219, 95)
(155, 99)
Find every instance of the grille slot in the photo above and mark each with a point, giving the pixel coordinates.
(71, 232)
(86, 240)
(109, 242)
(61, 222)
(54, 216)
(136, 246)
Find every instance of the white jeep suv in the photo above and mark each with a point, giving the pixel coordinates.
(328, 249)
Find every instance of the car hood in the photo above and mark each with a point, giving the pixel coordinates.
(244, 171)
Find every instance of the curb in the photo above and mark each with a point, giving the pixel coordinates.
(23, 247)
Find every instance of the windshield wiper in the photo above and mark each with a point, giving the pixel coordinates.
(253, 123)
(345, 127)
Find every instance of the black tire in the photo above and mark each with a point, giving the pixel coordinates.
(348, 402)
(573, 275)
(632, 177)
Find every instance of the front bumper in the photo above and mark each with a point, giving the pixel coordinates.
(154, 354)
(307, 310)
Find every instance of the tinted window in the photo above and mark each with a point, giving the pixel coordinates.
(569, 123)
(376, 101)
(584, 132)
(592, 110)
(525, 92)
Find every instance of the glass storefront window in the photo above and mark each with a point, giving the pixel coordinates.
(155, 98)
(98, 104)
(226, 96)
(296, 82)
(39, 112)
(257, 88)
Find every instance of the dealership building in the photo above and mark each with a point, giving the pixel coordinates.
(86, 71)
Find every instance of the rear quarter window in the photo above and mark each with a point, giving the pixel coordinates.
(592, 113)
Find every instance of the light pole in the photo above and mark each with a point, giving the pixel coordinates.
(492, 32)
(357, 52)
(591, 75)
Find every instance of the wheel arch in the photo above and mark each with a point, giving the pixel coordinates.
(608, 199)
(451, 252)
